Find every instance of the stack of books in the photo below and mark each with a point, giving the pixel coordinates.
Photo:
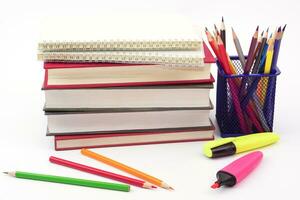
(123, 82)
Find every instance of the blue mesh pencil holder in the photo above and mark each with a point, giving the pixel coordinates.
(245, 103)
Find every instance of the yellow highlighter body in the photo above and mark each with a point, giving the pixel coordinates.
(234, 145)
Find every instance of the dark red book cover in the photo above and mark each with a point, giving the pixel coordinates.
(89, 136)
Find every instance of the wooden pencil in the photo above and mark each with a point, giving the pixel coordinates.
(238, 48)
(249, 62)
(277, 47)
(223, 32)
(100, 172)
(233, 86)
(212, 43)
(70, 181)
(260, 53)
(126, 168)
(216, 30)
(257, 50)
(251, 52)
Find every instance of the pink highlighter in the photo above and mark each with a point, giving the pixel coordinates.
(236, 171)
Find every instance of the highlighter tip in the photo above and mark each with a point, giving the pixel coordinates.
(215, 185)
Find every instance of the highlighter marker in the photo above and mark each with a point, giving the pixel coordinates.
(236, 171)
(234, 145)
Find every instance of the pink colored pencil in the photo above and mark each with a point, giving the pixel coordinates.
(103, 173)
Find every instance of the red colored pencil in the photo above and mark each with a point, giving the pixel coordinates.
(223, 54)
(212, 43)
(99, 172)
(233, 87)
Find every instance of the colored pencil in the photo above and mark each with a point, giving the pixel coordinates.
(216, 30)
(238, 48)
(257, 50)
(234, 90)
(70, 181)
(269, 57)
(212, 42)
(99, 172)
(271, 81)
(260, 53)
(249, 62)
(223, 32)
(125, 168)
(251, 52)
(267, 68)
(276, 48)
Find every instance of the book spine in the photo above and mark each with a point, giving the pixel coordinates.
(128, 144)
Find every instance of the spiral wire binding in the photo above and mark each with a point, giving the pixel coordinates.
(112, 45)
(124, 57)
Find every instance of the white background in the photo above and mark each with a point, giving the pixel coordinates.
(24, 146)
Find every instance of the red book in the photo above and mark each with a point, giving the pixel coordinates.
(69, 142)
(92, 75)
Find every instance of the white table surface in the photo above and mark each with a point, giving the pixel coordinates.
(25, 147)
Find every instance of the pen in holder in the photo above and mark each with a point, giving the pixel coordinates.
(245, 109)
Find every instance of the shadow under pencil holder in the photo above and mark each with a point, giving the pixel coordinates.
(245, 103)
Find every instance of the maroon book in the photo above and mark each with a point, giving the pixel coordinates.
(69, 142)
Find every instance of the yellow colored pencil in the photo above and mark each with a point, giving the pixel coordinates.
(269, 57)
(125, 168)
(267, 69)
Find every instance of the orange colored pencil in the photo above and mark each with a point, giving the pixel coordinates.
(125, 168)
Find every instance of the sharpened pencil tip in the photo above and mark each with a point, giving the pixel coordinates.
(262, 33)
(170, 188)
(222, 19)
(257, 28)
(283, 28)
(206, 29)
(267, 29)
(153, 187)
(5, 172)
(279, 29)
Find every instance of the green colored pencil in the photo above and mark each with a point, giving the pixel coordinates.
(71, 181)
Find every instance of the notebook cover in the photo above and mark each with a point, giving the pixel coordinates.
(70, 137)
(119, 31)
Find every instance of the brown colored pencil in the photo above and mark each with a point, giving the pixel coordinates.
(257, 50)
(258, 57)
(251, 52)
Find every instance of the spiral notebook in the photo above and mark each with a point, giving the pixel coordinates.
(172, 58)
(135, 31)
